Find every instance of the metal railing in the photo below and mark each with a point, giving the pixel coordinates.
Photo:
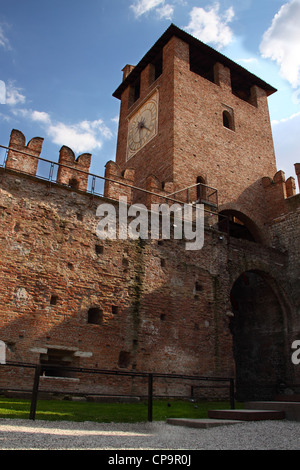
(199, 193)
(150, 378)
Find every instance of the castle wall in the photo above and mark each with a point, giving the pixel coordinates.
(163, 308)
(67, 297)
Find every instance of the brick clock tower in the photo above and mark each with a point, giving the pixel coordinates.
(189, 114)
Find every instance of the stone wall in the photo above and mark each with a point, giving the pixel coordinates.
(157, 307)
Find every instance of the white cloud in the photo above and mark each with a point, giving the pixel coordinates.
(2, 92)
(250, 60)
(163, 9)
(40, 116)
(14, 95)
(116, 119)
(166, 11)
(4, 42)
(140, 7)
(210, 26)
(290, 118)
(281, 42)
(84, 136)
(287, 149)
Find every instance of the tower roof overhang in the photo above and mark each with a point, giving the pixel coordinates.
(239, 73)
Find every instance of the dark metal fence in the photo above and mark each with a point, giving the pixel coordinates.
(199, 193)
(149, 377)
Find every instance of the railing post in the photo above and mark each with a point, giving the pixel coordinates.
(51, 171)
(150, 396)
(35, 391)
(232, 404)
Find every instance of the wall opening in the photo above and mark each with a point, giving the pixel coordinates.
(202, 64)
(257, 328)
(124, 360)
(53, 300)
(238, 225)
(114, 309)
(134, 92)
(99, 249)
(228, 121)
(95, 316)
(55, 360)
(240, 87)
(156, 68)
(73, 183)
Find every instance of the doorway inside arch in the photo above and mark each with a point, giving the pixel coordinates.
(238, 225)
(258, 332)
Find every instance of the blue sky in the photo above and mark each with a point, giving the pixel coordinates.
(61, 60)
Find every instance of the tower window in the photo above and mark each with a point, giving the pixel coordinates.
(201, 64)
(134, 94)
(156, 69)
(228, 120)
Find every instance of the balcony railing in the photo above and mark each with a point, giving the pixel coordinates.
(200, 193)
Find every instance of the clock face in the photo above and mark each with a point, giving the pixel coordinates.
(142, 126)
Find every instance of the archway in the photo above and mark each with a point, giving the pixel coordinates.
(258, 331)
(238, 225)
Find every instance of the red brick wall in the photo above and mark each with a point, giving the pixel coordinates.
(163, 323)
(192, 140)
(20, 161)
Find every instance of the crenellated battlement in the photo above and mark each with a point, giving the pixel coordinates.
(27, 161)
(73, 171)
(117, 183)
(278, 190)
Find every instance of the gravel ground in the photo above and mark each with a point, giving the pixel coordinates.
(44, 435)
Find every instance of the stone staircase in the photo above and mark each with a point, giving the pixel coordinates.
(283, 407)
(289, 404)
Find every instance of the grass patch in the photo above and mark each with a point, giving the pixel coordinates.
(56, 410)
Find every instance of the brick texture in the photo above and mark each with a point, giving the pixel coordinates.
(151, 305)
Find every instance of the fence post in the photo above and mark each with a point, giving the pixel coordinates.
(35, 391)
(232, 404)
(150, 396)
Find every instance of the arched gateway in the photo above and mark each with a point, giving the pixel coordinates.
(258, 327)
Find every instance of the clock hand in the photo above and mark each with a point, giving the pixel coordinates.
(143, 126)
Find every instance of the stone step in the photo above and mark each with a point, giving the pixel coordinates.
(247, 414)
(201, 423)
(291, 409)
(289, 398)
